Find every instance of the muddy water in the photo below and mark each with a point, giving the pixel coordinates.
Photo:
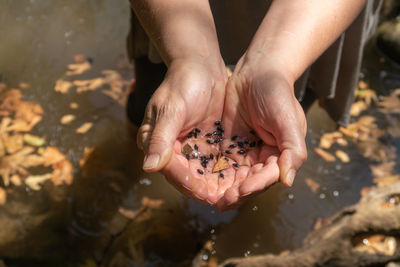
(80, 223)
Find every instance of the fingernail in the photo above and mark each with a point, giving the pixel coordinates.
(290, 177)
(151, 161)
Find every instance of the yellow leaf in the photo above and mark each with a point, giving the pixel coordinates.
(66, 119)
(34, 140)
(34, 181)
(343, 156)
(84, 128)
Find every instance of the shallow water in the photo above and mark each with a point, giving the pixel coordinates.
(76, 224)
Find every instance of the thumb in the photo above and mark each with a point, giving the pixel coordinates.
(158, 141)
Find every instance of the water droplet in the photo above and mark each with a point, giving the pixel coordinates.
(335, 193)
(247, 253)
(145, 181)
(290, 196)
(322, 196)
(255, 208)
(204, 257)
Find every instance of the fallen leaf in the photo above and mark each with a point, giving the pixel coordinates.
(73, 105)
(34, 140)
(79, 58)
(357, 108)
(16, 180)
(62, 86)
(3, 196)
(66, 119)
(84, 128)
(21, 126)
(86, 153)
(328, 139)
(62, 173)
(28, 111)
(367, 96)
(386, 180)
(376, 244)
(221, 164)
(328, 157)
(24, 85)
(89, 85)
(152, 203)
(343, 156)
(14, 143)
(130, 214)
(314, 186)
(78, 68)
(52, 155)
(34, 181)
(10, 99)
(32, 161)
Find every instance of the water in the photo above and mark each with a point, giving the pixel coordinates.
(81, 223)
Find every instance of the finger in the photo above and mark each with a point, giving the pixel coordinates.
(159, 144)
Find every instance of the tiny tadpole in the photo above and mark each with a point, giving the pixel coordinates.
(196, 147)
(208, 134)
(235, 165)
(221, 175)
(253, 132)
(209, 141)
(232, 146)
(241, 152)
(197, 130)
(252, 144)
(228, 152)
(217, 123)
(240, 144)
(200, 171)
(234, 138)
(216, 141)
(211, 156)
(187, 156)
(204, 164)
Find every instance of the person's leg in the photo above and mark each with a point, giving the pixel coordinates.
(148, 77)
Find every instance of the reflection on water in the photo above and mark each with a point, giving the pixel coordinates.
(81, 223)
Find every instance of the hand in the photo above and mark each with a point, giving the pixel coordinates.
(260, 97)
(191, 95)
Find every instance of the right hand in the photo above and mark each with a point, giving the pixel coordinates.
(191, 95)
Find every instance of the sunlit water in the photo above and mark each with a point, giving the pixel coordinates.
(68, 225)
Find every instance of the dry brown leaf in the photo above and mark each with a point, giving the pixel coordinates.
(221, 164)
(62, 173)
(62, 86)
(362, 85)
(152, 203)
(32, 161)
(52, 155)
(35, 181)
(14, 143)
(89, 85)
(79, 58)
(130, 214)
(78, 68)
(383, 169)
(84, 128)
(328, 157)
(377, 244)
(386, 180)
(73, 105)
(3, 196)
(343, 156)
(86, 153)
(34, 140)
(24, 85)
(16, 180)
(10, 99)
(357, 108)
(314, 186)
(28, 111)
(328, 139)
(66, 119)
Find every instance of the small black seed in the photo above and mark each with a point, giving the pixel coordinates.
(232, 146)
(195, 156)
(187, 156)
(234, 138)
(260, 142)
(253, 132)
(204, 164)
(202, 158)
(253, 144)
(209, 141)
(211, 156)
(209, 134)
(196, 147)
(241, 152)
(197, 130)
(219, 128)
(217, 123)
(228, 152)
(221, 175)
(235, 165)
(240, 144)
(200, 171)
(216, 141)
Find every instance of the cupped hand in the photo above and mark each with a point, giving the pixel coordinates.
(260, 101)
(191, 95)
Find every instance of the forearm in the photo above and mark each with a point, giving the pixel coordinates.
(293, 34)
(180, 29)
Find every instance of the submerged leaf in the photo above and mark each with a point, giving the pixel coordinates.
(62, 173)
(34, 140)
(328, 157)
(66, 119)
(84, 128)
(35, 181)
(343, 156)
(62, 86)
(221, 164)
(314, 186)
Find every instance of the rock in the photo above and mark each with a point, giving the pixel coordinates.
(388, 39)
